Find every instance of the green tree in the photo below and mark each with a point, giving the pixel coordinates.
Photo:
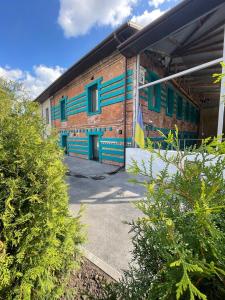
(179, 242)
(39, 240)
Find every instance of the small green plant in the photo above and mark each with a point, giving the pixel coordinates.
(39, 241)
(179, 242)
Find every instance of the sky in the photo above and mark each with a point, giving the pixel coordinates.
(40, 39)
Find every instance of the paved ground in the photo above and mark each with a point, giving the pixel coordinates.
(108, 204)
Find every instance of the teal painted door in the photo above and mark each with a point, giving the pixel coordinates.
(64, 143)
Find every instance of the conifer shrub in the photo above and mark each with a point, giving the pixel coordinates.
(179, 242)
(39, 240)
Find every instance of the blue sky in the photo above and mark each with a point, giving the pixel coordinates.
(41, 39)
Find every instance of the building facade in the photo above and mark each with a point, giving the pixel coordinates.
(93, 105)
(89, 113)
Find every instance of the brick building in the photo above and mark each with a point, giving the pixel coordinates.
(93, 105)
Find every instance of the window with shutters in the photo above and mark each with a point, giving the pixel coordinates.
(47, 115)
(179, 107)
(187, 111)
(93, 99)
(93, 94)
(63, 109)
(170, 102)
(154, 93)
(192, 114)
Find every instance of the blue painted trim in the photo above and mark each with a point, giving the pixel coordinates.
(116, 100)
(115, 86)
(83, 100)
(79, 103)
(187, 111)
(113, 158)
(116, 79)
(61, 117)
(129, 80)
(129, 72)
(78, 152)
(112, 94)
(114, 152)
(179, 102)
(90, 154)
(77, 106)
(157, 107)
(76, 97)
(116, 139)
(113, 80)
(78, 142)
(170, 101)
(80, 147)
(112, 146)
(143, 97)
(55, 112)
(77, 111)
(112, 101)
(87, 89)
(116, 93)
(93, 82)
(60, 139)
(112, 87)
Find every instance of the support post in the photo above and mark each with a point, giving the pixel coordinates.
(222, 96)
(136, 102)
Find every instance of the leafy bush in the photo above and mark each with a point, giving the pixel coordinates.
(179, 243)
(39, 241)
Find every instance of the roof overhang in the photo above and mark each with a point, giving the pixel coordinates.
(102, 50)
(189, 35)
(187, 12)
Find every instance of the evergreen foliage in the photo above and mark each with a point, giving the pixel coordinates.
(179, 243)
(39, 241)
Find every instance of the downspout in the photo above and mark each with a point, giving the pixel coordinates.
(125, 110)
(124, 103)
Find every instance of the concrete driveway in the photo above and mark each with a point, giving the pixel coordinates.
(108, 203)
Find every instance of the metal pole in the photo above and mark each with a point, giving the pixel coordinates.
(125, 111)
(188, 71)
(136, 102)
(222, 96)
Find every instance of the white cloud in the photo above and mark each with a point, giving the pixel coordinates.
(35, 82)
(147, 17)
(77, 17)
(156, 3)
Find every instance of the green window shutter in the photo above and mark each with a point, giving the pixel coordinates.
(179, 107)
(197, 116)
(187, 111)
(192, 116)
(63, 109)
(154, 93)
(170, 102)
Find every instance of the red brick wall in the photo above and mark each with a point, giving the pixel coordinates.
(112, 115)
